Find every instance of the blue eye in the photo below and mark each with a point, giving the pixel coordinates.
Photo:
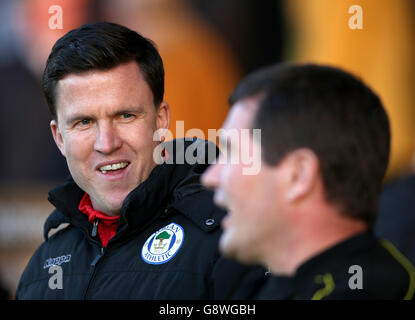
(126, 115)
(83, 123)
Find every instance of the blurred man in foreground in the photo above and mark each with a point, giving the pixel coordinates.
(307, 214)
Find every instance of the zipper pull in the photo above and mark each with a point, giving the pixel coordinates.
(94, 228)
(96, 259)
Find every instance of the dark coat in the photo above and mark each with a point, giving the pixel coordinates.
(359, 268)
(130, 267)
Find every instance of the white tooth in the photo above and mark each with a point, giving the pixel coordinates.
(103, 171)
(115, 166)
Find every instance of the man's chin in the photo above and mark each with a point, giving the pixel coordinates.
(113, 199)
(232, 247)
(110, 207)
(228, 246)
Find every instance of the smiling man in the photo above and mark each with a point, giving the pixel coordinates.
(136, 230)
(307, 214)
(104, 127)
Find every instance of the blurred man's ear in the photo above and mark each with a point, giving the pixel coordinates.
(303, 166)
(57, 136)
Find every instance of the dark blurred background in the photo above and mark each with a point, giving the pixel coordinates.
(207, 47)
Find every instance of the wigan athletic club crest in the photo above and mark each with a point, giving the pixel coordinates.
(162, 245)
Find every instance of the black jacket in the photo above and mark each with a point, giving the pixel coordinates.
(396, 219)
(361, 267)
(189, 265)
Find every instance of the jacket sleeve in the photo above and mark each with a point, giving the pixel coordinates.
(29, 275)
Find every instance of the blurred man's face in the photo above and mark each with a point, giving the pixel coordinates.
(252, 201)
(104, 128)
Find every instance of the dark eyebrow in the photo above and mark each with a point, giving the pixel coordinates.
(130, 109)
(76, 117)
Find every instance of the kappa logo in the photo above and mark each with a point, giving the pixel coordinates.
(163, 244)
(56, 261)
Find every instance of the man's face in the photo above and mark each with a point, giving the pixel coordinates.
(252, 201)
(104, 128)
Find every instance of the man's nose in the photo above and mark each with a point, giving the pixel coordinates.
(108, 139)
(210, 178)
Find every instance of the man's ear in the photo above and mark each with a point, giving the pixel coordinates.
(163, 118)
(303, 166)
(57, 136)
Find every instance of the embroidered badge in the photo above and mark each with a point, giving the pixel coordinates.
(163, 244)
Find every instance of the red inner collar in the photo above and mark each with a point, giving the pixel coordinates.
(107, 226)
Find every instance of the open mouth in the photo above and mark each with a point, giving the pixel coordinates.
(113, 168)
